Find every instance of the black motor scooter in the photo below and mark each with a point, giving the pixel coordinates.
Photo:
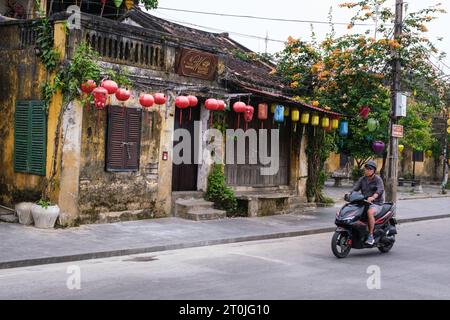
(352, 227)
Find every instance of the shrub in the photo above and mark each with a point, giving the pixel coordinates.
(219, 193)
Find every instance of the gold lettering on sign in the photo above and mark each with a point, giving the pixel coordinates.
(197, 64)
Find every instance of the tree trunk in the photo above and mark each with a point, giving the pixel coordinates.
(316, 139)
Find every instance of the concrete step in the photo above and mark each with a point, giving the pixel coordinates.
(205, 214)
(184, 195)
(12, 218)
(183, 206)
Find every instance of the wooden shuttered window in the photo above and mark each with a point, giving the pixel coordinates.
(30, 137)
(124, 139)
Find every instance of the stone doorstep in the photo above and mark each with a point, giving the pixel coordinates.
(206, 214)
(183, 206)
(184, 195)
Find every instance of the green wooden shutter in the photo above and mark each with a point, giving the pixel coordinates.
(30, 137)
(21, 136)
(38, 155)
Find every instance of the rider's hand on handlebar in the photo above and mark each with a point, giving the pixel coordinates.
(370, 199)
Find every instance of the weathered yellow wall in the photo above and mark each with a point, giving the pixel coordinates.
(332, 163)
(105, 194)
(21, 77)
(423, 169)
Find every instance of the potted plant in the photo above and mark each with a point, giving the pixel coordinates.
(23, 210)
(44, 214)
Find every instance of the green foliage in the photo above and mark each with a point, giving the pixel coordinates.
(149, 4)
(120, 75)
(218, 192)
(355, 70)
(252, 56)
(417, 127)
(44, 203)
(219, 121)
(84, 66)
(44, 43)
(317, 150)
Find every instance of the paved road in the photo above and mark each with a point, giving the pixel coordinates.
(288, 268)
(27, 244)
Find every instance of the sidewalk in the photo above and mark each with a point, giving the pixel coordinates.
(26, 245)
(429, 191)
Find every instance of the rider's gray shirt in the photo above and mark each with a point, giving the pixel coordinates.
(370, 186)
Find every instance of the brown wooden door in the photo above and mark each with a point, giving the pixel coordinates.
(184, 176)
(250, 174)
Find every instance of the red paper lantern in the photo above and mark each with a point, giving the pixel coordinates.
(211, 104)
(160, 98)
(220, 105)
(100, 95)
(364, 112)
(248, 115)
(239, 107)
(123, 94)
(146, 100)
(110, 86)
(193, 101)
(88, 86)
(182, 102)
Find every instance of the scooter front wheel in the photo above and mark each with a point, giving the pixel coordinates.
(340, 244)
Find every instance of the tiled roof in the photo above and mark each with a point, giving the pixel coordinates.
(252, 75)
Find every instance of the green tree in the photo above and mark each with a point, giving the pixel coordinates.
(352, 71)
(417, 127)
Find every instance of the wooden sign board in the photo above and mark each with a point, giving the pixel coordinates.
(197, 64)
(397, 131)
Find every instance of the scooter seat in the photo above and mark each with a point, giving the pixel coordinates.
(386, 207)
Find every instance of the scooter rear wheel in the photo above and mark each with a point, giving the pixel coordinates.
(387, 248)
(339, 244)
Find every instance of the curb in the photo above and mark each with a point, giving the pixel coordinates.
(201, 243)
(425, 197)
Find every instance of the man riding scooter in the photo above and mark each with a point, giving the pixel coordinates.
(372, 187)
